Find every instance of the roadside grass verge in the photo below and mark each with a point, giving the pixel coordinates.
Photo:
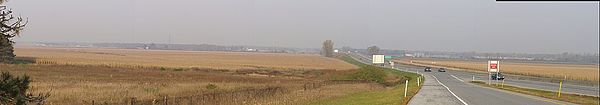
(573, 98)
(392, 96)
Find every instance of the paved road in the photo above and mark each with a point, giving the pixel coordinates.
(568, 87)
(467, 93)
(512, 80)
(434, 93)
(478, 95)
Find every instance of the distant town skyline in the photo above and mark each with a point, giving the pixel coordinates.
(426, 25)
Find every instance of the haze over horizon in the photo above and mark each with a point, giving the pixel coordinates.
(457, 25)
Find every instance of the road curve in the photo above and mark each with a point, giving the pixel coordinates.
(465, 93)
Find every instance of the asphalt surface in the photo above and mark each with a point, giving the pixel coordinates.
(463, 92)
(573, 88)
(478, 95)
(568, 86)
(433, 93)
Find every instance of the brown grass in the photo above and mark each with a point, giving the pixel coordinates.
(180, 59)
(75, 84)
(572, 71)
(118, 76)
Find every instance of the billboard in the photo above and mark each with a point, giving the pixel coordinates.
(493, 66)
(378, 59)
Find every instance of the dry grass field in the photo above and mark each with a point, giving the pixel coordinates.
(572, 71)
(180, 59)
(75, 84)
(75, 76)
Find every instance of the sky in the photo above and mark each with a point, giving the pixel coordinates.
(432, 25)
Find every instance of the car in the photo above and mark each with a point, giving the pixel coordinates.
(427, 69)
(441, 70)
(497, 76)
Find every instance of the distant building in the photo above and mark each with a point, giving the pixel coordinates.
(249, 50)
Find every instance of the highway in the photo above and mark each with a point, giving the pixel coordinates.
(574, 88)
(568, 86)
(460, 91)
(478, 95)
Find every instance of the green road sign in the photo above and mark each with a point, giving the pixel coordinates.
(387, 57)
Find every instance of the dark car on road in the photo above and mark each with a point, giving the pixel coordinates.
(441, 70)
(427, 69)
(497, 76)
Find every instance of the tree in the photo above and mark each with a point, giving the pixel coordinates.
(13, 91)
(10, 27)
(373, 50)
(327, 48)
(346, 49)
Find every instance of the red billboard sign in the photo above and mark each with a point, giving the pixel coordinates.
(493, 66)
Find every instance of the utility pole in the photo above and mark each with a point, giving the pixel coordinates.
(169, 42)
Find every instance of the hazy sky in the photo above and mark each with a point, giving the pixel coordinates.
(435, 25)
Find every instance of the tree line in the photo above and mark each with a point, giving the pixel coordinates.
(328, 49)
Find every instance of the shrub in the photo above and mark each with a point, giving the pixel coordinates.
(13, 90)
(211, 86)
(178, 69)
(370, 73)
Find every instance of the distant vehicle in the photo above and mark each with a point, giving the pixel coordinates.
(497, 76)
(441, 70)
(427, 69)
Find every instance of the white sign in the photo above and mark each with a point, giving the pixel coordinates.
(378, 59)
(335, 51)
(493, 66)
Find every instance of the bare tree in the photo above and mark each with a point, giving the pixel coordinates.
(327, 48)
(10, 27)
(373, 50)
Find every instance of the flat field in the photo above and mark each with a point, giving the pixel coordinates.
(572, 71)
(80, 85)
(121, 76)
(180, 59)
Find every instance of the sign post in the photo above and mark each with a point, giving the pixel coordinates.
(405, 88)
(493, 67)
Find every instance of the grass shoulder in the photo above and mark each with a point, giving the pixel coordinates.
(573, 98)
(394, 79)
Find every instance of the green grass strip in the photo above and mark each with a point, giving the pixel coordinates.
(573, 98)
(394, 96)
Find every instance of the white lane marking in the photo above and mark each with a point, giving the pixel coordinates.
(465, 103)
(457, 78)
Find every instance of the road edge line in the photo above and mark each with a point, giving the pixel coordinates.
(558, 102)
(465, 103)
(457, 78)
